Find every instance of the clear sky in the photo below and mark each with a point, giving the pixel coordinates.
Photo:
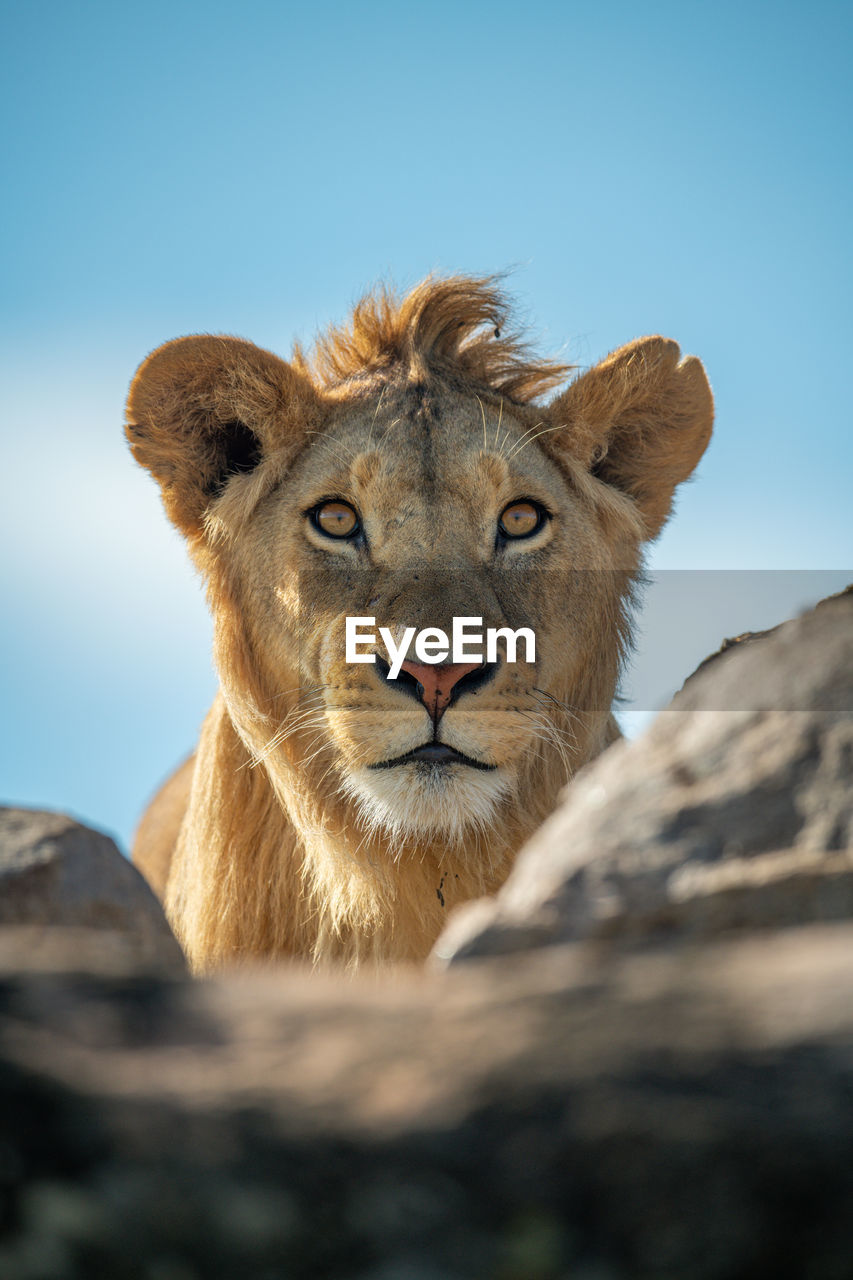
(178, 167)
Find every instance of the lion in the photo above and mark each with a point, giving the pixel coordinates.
(409, 471)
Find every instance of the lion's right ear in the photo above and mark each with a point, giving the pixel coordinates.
(640, 420)
(205, 408)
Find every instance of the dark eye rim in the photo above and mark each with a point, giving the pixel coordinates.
(313, 514)
(543, 516)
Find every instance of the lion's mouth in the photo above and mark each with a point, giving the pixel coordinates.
(435, 753)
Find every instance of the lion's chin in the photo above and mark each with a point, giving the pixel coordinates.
(421, 801)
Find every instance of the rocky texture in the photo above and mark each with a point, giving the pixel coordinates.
(581, 1114)
(806, 668)
(56, 872)
(734, 810)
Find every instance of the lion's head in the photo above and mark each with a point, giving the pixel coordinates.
(409, 473)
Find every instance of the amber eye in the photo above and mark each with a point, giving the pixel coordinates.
(521, 519)
(335, 519)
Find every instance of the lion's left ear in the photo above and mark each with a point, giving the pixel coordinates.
(206, 408)
(640, 420)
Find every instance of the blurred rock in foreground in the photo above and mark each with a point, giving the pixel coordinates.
(579, 1114)
(54, 872)
(733, 811)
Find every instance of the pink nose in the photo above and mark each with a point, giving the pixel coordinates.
(437, 682)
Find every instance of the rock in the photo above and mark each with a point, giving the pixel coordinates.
(747, 673)
(54, 872)
(734, 810)
(599, 1112)
(577, 1113)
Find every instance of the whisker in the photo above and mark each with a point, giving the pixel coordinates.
(565, 737)
(288, 727)
(544, 693)
(483, 416)
(555, 737)
(334, 451)
(388, 428)
(298, 715)
(506, 436)
(563, 706)
(525, 443)
(376, 412)
(529, 431)
(313, 756)
(301, 688)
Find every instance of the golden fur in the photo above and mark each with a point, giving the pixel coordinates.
(422, 414)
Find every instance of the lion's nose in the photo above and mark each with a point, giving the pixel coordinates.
(437, 685)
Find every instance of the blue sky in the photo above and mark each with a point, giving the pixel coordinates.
(171, 168)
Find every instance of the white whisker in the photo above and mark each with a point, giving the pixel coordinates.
(525, 443)
(376, 412)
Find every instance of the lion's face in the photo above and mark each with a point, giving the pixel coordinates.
(413, 511)
(408, 476)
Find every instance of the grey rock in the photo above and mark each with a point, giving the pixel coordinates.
(734, 810)
(57, 873)
(579, 1112)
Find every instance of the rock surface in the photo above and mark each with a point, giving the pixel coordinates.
(733, 811)
(54, 872)
(581, 1114)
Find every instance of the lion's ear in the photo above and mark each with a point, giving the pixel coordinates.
(640, 420)
(205, 408)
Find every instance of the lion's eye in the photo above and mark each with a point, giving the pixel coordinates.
(521, 519)
(336, 519)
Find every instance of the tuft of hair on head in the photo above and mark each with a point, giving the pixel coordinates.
(453, 326)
